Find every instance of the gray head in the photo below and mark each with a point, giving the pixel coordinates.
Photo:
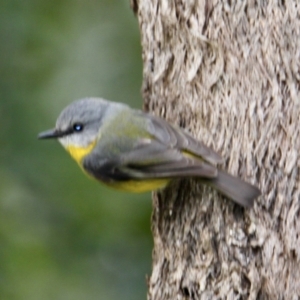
(79, 123)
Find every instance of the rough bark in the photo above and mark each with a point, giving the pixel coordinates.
(229, 72)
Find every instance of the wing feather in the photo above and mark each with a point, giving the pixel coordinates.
(180, 139)
(155, 160)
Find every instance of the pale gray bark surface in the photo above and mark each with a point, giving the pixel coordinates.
(229, 72)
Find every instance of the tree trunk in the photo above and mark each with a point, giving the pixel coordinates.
(229, 72)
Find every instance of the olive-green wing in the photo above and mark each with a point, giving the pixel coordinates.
(152, 159)
(175, 137)
(148, 159)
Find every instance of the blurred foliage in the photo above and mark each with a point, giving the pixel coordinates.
(62, 235)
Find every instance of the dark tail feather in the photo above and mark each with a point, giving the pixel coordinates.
(235, 188)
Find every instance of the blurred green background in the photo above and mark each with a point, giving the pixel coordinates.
(62, 235)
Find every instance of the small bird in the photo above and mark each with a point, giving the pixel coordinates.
(134, 151)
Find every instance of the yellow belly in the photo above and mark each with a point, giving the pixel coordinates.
(133, 186)
(139, 186)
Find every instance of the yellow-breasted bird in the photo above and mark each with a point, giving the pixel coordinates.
(134, 151)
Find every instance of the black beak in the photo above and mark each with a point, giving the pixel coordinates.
(49, 134)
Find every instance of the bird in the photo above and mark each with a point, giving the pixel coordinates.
(135, 151)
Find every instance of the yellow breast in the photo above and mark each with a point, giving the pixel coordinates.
(78, 153)
(139, 186)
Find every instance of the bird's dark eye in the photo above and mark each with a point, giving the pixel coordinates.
(77, 127)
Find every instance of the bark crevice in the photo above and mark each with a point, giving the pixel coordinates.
(229, 73)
